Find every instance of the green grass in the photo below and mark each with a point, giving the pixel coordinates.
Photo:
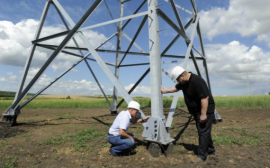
(221, 102)
(229, 140)
(240, 137)
(79, 140)
(8, 162)
(243, 101)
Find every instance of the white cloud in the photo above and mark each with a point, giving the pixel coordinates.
(15, 44)
(139, 90)
(63, 86)
(2, 79)
(235, 65)
(264, 38)
(11, 76)
(246, 17)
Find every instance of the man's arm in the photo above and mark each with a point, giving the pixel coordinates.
(123, 133)
(204, 106)
(139, 120)
(168, 90)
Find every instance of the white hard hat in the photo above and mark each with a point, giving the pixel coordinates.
(177, 71)
(134, 105)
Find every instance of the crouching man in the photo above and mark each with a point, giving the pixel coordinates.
(117, 136)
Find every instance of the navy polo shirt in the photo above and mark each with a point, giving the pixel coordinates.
(195, 90)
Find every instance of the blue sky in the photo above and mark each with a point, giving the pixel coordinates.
(236, 35)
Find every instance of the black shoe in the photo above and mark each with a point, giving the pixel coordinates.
(211, 151)
(113, 153)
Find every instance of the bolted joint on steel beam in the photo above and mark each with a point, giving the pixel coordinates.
(194, 17)
(155, 131)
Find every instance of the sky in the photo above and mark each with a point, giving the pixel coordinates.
(236, 37)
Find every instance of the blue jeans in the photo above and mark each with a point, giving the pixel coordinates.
(119, 143)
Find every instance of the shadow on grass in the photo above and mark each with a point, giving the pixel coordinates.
(190, 119)
(190, 147)
(7, 132)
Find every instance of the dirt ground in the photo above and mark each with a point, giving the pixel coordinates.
(56, 138)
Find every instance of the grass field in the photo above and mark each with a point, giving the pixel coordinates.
(62, 101)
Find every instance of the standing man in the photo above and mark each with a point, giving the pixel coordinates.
(200, 104)
(117, 136)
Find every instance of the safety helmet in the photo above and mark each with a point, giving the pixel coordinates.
(177, 71)
(134, 105)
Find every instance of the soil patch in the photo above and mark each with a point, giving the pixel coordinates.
(77, 138)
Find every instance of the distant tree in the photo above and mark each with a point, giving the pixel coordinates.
(68, 97)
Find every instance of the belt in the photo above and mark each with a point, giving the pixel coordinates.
(110, 134)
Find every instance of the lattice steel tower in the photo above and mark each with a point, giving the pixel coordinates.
(164, 20)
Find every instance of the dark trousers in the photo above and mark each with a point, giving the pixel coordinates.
(205, 140)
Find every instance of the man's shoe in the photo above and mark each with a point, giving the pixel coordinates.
(197, 159)
(113, 153)
(211, 151)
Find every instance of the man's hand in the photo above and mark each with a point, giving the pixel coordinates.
(132, 139)
(145, 118)
(203, 118)
(161, 89)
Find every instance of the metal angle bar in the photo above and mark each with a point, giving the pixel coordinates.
(60, 8)
(72, 54)
(203, 52)
(170, 22)
(155, 60)
(51, 83)
(134, 13)
(194, 6)
(127, 1)
(175, 39)
(134, 38)
(61, 16)
(115, 20)
(179, 61)
(188, 43)
(83, 58)
(29, 59)
(135, 44)
(178, 18)
(171, 44)
(66, 47)
(66, 25)
(56, 52)
(178, 6)
(191, 43)
(107, 71)
(109, 11)
(172, 109)
(135, 85)
(117, 57)
(174, 103)
(51, 37)
(189, 23)
(200, 39)
(78, 48)
(197, 51)
(93, 74)
(53, 47)
(123, 52)
(134, 64)
(142, 54)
